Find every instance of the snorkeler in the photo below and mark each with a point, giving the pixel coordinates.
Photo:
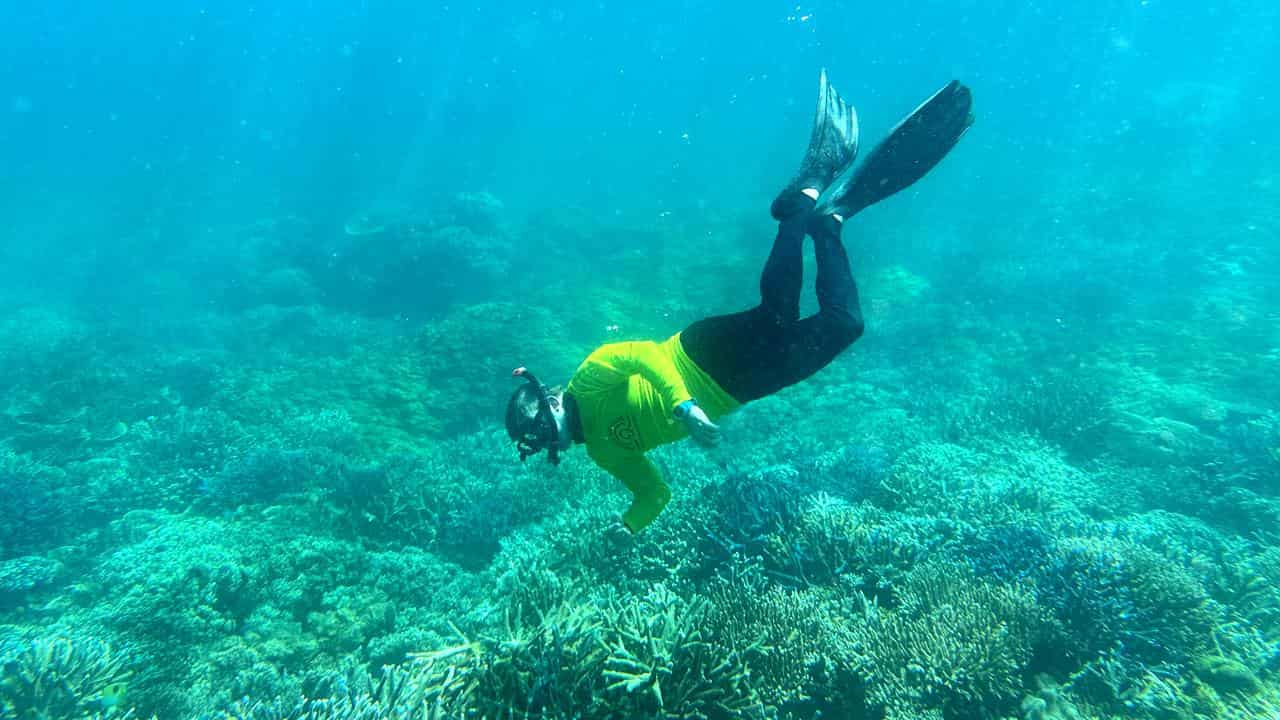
(630, 397)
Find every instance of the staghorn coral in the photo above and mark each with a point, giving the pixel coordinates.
(664, 662)
(1260, 600)
(832, 541)
(1010, 479)
(431, 500)
(611, 657)
(391, 695)
(755, 504)
(929, 477)
(260, 475)
(1243, 509)
(220, 608)
(1067, 408)
(851, 471)
(790, 639)
(549, 665)
(1110, 593)
(1107, 591)
(62, 677)
(956, 644)
(1119, 686)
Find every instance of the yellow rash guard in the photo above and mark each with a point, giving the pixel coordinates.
(626, 393)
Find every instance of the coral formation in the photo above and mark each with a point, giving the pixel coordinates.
(954, 643)
(293, 500)
(62, 677)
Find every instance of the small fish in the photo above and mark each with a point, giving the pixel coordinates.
(112, 696)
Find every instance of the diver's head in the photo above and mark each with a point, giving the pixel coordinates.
(537, 419)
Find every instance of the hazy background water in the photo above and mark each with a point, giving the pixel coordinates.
(141, 128)
(1072, 323)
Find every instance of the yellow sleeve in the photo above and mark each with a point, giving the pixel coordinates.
(614, 363)
(645, 482)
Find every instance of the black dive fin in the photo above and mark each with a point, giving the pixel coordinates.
(832, 145)
(911, 150)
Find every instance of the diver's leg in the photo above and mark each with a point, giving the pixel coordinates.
(753, 354)
(730, 348)
(783, 273)
(803, 348)
(741, 351)
(838, 322)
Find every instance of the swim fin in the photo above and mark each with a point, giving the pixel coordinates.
(913, 148)
(832, 145)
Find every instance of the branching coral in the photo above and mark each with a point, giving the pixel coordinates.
(832, 540)
(955, 643)
(61, 677)
(391, 695)
(932, 478)
(1260, 602)
(851, 471)
(544, 666)
(259, 475)
(1110, 593)
(753, 505)
(790, 639)
(632, 657)
(660, 655)
(1013, 478)
(1067, 408)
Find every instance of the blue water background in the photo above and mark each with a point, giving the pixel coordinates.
(200, 363)
(142, 128)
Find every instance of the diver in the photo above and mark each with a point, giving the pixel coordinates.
(629, 397)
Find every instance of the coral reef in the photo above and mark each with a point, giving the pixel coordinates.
(63, 677)
(954, 643)
(21, 577)
(626, 657)
(293, 499)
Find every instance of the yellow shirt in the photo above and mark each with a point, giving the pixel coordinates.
(626, 393)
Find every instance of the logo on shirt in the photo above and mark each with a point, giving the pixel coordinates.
(624, 432)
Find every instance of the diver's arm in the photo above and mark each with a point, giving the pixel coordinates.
(614, 363)
(645, 482)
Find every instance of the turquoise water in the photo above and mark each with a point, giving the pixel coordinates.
(265, 271)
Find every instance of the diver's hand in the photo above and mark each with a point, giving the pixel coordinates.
(619, 536)
(701, 429)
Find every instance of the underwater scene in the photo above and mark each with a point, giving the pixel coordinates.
(969, 411)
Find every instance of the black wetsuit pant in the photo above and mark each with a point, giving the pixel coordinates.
(757, 352)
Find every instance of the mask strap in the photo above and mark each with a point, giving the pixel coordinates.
(544, 410)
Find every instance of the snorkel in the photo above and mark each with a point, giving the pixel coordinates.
(546, 433)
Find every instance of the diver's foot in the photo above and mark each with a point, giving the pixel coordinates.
(619, 537)
(832, 145)
(911, 150)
